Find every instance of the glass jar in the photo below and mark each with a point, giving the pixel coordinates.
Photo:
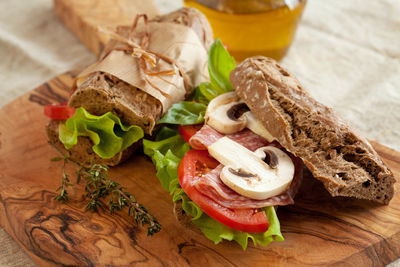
(253, 27)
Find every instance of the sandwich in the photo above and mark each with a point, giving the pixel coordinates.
(143, 71)
(236, 152)
(332, 150)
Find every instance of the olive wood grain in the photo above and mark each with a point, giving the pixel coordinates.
(319, 229)
(84, 17)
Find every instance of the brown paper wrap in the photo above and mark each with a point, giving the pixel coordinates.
(143, 73)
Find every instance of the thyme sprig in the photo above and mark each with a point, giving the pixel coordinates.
(99, 187)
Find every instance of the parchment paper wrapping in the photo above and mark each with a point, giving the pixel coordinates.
(172, 40)
(168, 81)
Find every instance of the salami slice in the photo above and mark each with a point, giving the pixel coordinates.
(211, 185)
(207, 136)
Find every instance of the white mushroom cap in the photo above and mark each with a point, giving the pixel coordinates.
(248, 174)
(220, 114)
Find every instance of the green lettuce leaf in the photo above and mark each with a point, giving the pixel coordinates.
(185, 113)
(200, 96)
(205, 92)
(166, 153)
(220, 65)
(217, 231)
(107, 133)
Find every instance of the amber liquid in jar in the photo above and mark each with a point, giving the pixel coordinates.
(252, 27)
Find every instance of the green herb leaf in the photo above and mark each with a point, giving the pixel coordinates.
(107, 132)
(185, 113)
(220, 65)
(98, 187)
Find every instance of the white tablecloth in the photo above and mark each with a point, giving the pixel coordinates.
(346, 53)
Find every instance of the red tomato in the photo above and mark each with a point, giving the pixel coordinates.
(59, 112)
(197, 162)
(187, 131)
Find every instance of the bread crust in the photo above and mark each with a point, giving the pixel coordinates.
(101, 93)
(333, 151)
(83, 153)
(183, 218)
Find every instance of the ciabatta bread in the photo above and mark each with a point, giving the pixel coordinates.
(343, 160)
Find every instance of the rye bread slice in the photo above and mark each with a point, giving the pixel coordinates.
(101, 93)
(183, 218)
(334, 152)
(83, 153)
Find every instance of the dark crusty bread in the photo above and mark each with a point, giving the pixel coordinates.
(133, 107)
(101, 93)
(83, 153)
(344, 161)
(183, 218)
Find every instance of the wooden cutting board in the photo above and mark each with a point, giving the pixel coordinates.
(318, 229)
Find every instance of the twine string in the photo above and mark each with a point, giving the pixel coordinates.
(146, 57)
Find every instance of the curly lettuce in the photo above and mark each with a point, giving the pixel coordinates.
(185, 113)
(108, 134)
(166, 152)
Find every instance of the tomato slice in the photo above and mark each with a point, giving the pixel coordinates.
(192, 166)
(59, 112)
(187, 131)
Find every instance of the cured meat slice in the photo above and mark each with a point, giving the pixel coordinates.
(212, 186)
(207, 136)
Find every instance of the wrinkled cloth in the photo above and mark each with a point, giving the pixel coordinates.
(346, 54)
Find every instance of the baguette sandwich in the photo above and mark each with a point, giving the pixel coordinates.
(228, 175)
(141, 73)
(335, 153)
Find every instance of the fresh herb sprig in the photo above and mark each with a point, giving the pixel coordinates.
(99, 187)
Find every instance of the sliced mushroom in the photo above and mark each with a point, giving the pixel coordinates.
(246, 172)
(276, 159)
(242, 173)
(268, 156)
(236, 111)
(228, 114)
(224, 113)
(256, 127)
